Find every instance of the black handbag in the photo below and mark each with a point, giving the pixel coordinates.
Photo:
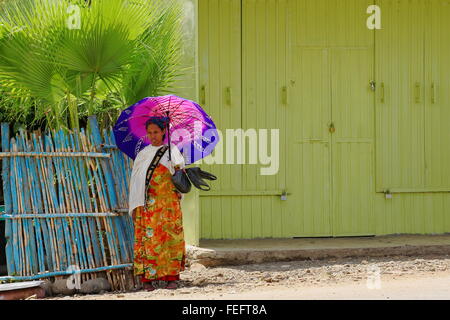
(202, 174)
(196, 175)
(181, 181)
(183, 178)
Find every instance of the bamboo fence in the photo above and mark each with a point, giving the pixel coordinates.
(66, 206)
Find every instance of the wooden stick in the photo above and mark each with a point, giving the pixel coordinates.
(54, 154)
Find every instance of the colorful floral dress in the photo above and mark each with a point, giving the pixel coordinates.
(159, 247)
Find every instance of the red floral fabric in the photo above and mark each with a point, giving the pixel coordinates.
(159, 247)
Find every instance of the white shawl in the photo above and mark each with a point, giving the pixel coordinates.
(140, 166)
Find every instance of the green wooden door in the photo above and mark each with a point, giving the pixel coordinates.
(264, 109)
(330, 173)
(308, 154)
(300, 65)
(400, 96)
(437, 98)
(352, 151)
(220, 95)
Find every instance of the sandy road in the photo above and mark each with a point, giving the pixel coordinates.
(376, 278)
(433, 286)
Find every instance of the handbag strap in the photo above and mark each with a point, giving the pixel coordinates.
(156, 159)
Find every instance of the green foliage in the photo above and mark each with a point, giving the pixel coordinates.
(55, 76)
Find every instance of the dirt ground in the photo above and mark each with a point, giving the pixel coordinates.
(350, 278)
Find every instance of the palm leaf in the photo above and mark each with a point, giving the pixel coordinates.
(125, 50)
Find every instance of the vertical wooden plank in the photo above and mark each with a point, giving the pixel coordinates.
(52, 201)
(34, 202)
(226, 29)
(282, 47)
(80, 241)
(25, 192)
(16, 208)
(105, 187)
(55, 225)
(236, 232)
(68, 145)
(249, 103)
(289, 208)
(75, 255)
(42, 204)
(6, 170)
(84, 146)
(97, 141)
(85, 206)
(261, 34)
(216, 100)
(206, 218)
(8, 199)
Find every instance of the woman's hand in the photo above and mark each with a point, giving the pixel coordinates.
(179, 195)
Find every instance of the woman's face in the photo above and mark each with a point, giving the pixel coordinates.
(155, 134)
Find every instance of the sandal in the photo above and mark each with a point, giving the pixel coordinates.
(149, 287)
(171, 285)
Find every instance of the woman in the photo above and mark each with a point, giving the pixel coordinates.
(159, 247)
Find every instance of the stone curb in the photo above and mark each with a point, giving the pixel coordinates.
(223, 257)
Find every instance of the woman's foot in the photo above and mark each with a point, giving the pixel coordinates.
(172, 285)
(149, 286)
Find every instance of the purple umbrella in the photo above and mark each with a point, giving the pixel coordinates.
(191, 129)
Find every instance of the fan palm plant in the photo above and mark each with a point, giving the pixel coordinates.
(61, 61)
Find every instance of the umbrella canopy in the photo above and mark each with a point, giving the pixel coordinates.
(191, 129)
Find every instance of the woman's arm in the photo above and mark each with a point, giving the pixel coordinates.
(133, 215)
(177, 158)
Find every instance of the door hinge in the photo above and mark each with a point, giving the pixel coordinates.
(373, 85)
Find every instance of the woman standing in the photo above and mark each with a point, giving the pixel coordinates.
(159, 247)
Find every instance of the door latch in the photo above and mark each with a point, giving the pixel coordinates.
(331, 128)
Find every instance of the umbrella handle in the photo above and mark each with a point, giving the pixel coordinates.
(168, 136)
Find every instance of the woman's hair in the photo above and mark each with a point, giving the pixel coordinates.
(161, 122)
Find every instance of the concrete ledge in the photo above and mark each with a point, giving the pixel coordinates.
(237, 252)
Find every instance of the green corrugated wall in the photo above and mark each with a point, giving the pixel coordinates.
(301, 66)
